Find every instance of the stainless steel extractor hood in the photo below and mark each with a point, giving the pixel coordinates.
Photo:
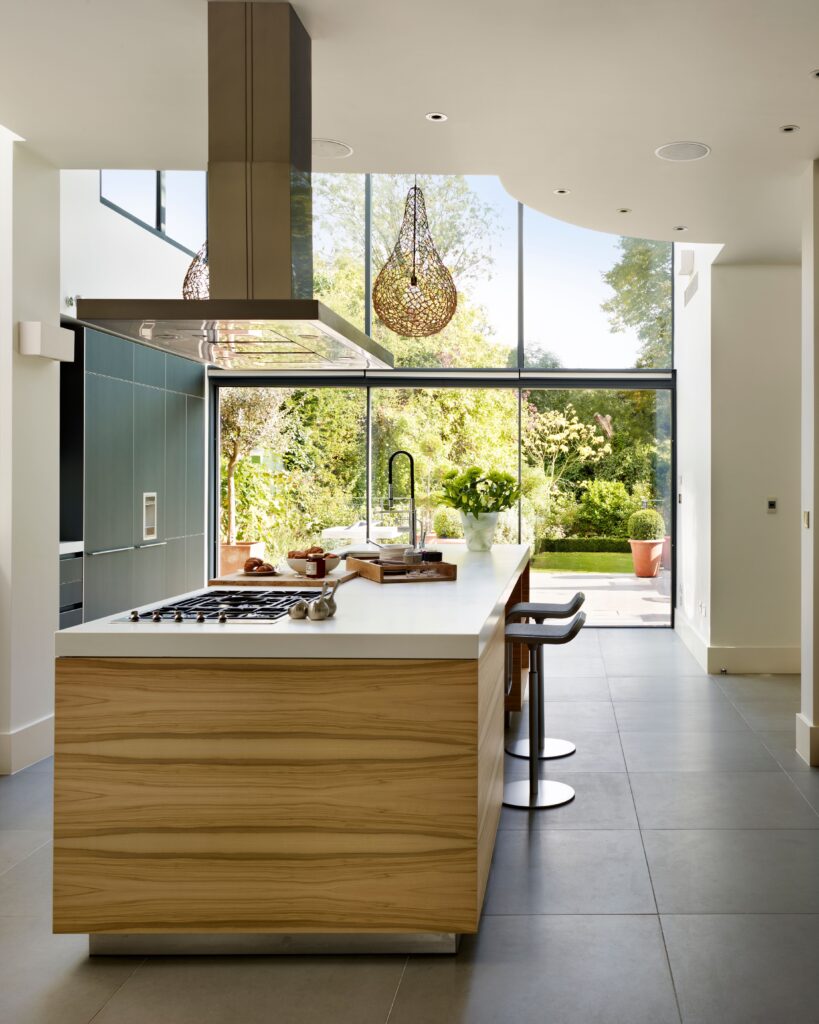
(260, 314)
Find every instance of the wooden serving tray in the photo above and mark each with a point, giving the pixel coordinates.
(396, 572)
(238, 579)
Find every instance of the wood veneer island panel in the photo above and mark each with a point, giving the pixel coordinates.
(276, 795)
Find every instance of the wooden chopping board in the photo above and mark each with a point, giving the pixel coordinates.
(238, 579)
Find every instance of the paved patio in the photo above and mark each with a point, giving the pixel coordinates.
(612, 599)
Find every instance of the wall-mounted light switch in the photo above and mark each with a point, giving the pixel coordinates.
(772, 504)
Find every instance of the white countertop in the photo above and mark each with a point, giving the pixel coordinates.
(71, 547)
(413, 620)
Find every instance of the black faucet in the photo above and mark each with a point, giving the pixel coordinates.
(394, 455)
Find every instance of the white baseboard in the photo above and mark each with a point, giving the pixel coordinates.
(691, 638)
(783, 661)
(737, 660)
(26, 745)
(807, 740)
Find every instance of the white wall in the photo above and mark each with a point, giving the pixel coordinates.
(737, 353)
(692, 360)
(103, 255)
(755, 421)
(29, 467)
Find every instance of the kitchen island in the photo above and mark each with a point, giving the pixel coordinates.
(217, 782)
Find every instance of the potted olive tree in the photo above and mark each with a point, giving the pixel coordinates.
(646, 530)
(250, 418)
(479, 496)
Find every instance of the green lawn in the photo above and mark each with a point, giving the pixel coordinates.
(583, 561)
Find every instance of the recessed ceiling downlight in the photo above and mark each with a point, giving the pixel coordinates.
(683, 152)
(435, 115)
(624, 209)
(789, 129)
(331, 149)
(562, 191)
(680, 227)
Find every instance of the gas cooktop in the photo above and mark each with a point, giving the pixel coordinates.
(226, 606)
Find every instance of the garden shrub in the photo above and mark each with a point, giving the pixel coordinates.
(447, 523)
(584, 544)
(646, 524)
(604, 509)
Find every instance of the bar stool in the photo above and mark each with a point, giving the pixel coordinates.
(548, 748)
(537, 793)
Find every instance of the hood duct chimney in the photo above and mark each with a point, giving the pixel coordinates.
(260, 314)
(260, 225)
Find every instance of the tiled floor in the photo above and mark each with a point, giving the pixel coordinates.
(680, 885)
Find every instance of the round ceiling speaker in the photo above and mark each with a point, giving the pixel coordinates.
(331, 149)
(683, 151)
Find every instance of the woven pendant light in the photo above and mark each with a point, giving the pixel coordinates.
(414, 294)
(197, 279)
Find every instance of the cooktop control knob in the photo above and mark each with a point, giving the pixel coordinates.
(200, 616)
(134, 616)
(222, 617)
(156, 617)
(178, 616)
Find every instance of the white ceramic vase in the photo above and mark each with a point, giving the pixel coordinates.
(479, 533)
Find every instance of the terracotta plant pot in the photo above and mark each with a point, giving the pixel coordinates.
(232, 557)
(646, 556)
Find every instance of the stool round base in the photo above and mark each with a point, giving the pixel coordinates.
(551, 749)
(550, 794)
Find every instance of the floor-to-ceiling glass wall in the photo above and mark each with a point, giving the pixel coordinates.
(591, 459)
(555, 366)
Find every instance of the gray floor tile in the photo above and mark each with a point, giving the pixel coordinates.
(649, 663)
(533, 970)
(666, 687)
(49, 979)
(25, 889)
(17, 844)
(695, 800)
(759, 687)
(745, 969)
(768, 715)
(782, 745)
(549, 871)
(577, 688)
(678, 716)
(46, 766)
(577, 715)
(808, 784)
(571, 664)
(695, 752)
(734, 871)
(257, 990)
(603, 800)
(596, 752)
(26, 800)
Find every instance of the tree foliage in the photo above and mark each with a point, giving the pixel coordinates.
(641, 280)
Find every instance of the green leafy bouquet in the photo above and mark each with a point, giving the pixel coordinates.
(475, 491)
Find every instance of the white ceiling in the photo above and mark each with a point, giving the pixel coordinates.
(545, 94)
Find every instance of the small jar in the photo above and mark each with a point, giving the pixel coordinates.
(316, 567)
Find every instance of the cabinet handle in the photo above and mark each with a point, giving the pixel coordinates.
(154, 544)
(110, 551)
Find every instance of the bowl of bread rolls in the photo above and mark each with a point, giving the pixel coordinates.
(297, 559)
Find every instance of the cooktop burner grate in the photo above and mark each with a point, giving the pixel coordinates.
(226, 605)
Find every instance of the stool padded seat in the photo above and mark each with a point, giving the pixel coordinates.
(539, 610)
(536, 635)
